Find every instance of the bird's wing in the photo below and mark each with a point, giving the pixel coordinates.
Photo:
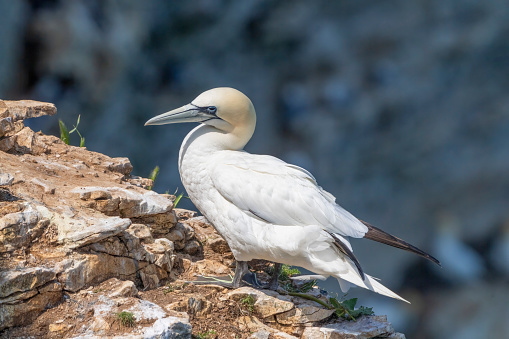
(280, 193)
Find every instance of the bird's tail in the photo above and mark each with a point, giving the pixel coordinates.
(369, 282)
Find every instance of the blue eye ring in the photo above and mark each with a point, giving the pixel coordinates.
(212, 109)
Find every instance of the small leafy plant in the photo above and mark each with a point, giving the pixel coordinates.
(248, 303)
(126, 319)
(346, 308)
(65, 133)
(287, 272)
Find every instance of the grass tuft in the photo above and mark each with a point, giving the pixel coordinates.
(126, 319)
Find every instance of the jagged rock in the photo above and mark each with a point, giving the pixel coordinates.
(180, 234)
(140, 231)
(120, 165)
(20, 228)
(29, 142)
(23, 280)
(77, 231)
(304, 313)
(25, 312)
(125, 203)
(119, 288)
(6, 126)
(267, 303)
(88, 269)
(261, 331)
(25, 109)
(169, 327)
(365, 327)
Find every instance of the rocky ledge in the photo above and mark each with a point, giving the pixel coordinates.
(86, 250)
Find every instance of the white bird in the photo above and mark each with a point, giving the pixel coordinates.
(263, 207)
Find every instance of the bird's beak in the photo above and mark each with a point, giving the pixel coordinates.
(187, 113)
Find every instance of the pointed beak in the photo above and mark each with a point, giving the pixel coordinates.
(187, 113)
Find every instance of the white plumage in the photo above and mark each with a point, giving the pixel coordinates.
(262, 206)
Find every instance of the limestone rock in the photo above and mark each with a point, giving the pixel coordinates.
(267, 303)
(88, 269)
(119, 288)
(26, 109)
(26, 279)
(22, 313)
(123, 202)
(304, 315)
(261, 331)
(19, 228)
(169, 327)
(365, 327)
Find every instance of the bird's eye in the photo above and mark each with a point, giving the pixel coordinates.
(212, 109)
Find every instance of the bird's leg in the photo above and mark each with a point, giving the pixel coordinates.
(273, 283)
(240, 270)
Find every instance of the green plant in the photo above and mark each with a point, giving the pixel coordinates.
(248, 302)
(346, 308)
(65, 133)
(126, 319)
(177, 199)
(153, 176)
(205, 335)
(287, 272)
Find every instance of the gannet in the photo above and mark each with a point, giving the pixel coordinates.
(264, 207)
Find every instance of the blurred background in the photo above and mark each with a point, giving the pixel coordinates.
(399, 108)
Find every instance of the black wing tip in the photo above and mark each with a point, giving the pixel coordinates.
(376, 234)
(345, 250)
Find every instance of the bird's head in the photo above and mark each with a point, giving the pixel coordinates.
(224, 108)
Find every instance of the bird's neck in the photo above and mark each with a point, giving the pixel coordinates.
(205, 140)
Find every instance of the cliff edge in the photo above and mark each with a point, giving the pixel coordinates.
(87, 250)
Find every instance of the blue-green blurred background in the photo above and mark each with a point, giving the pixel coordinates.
(399, 108)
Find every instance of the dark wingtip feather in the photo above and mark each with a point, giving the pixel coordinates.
(345, 250)
(378, 235)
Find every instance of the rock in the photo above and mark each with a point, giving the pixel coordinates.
(219, 245)
(23, 313)
(79, 231)
(120, 165)
(29, 142)
(180, 234)
(364, 328)
(304, 315)
(125, 203)
(169, 327)
(26, 109)
(267, 303)
(26, 279)
(88, 269)
(7, 144)
(140, 231)
(122, 289)
(20, 228)
(192, 247)
(6, 126)
(261, 331)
